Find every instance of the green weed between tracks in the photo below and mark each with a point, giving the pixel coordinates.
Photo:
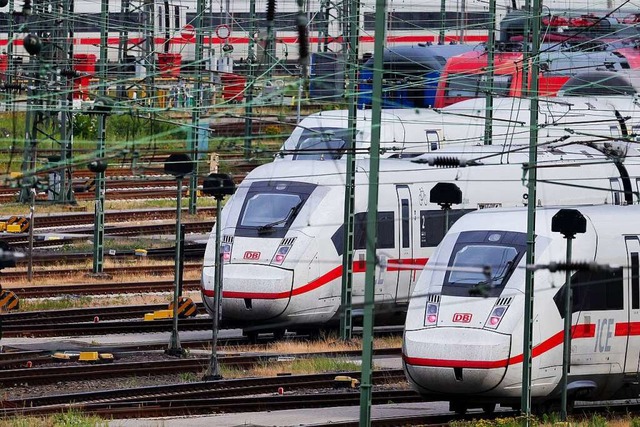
(67, 419)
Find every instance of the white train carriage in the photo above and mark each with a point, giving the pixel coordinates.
(463, 339)
(171, 24)
(282, 232)
(411, 131)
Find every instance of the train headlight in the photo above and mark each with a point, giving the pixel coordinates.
(280, 255)
(496, 316)
(432, 314)
(225, 250)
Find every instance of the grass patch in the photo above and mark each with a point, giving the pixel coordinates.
(66, 419)
(550, 421)
(55, 304)
(296, 367)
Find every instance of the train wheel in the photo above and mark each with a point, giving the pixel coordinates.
(489, 408)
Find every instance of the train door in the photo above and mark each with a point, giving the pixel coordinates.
(632, 282)
(405, 273)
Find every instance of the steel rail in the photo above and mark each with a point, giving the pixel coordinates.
(109, 288)
(199, 390)
(138, 270)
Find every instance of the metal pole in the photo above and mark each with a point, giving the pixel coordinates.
(531, 215)
(197, 103)
(566, 353)
(372, 215)
(174, 345)
(214, 368)
(98, 225)
(351, 13)
(32, 208)
(491, 44)
(251, 59)
(443, 17)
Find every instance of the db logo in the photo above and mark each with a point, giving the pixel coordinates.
(252, 255)
(462, 317)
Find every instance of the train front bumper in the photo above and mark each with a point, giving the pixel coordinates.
(250, 292)
(455, 360)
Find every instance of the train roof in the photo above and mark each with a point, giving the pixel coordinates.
(429, 56)
(605, 218)
(604, 83)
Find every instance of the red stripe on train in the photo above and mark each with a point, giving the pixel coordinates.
(95, 41)
(585, 330)
(358, 267)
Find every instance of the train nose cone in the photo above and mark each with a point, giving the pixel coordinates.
(455, 360)
(251, 292)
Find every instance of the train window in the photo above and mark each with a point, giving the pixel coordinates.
(271, 207)
(594, 291)
(635, 281)
(432, 225)
(319, 148)
(501, 85)
(321, 142)
(386, 231)
(433, 139)
(264, 209)
(482, 262)
(405, 223)
(462, 86)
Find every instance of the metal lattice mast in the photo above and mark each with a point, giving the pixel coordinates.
(197, 103)
(149, 52)
(123, 34)
(489, 89)
(251, 62)
(49, 113)
(350, 48)
(372, 216)
(531, 211)
(98, 230)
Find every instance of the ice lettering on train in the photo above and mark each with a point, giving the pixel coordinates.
(604, 331)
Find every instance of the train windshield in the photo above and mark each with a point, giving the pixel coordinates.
(270, 208)
(321, 144)
(475, 85)
(482, 262)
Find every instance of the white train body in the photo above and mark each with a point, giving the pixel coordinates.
(409, 22)
(467, 346)
(409, 132)
(287, 275)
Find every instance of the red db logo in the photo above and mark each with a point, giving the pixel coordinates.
(462, 317)
(252, 255)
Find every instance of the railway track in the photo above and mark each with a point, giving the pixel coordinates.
(54, 373)
(191, 251)
(223, 395)
(139, 270)
(85, 218)
(49, 329)
(107, 288)
(22, 239)
(90, 314)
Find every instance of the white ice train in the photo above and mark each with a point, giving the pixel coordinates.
(463, 338)
(282, 232)
(171, 22)
(410, 132)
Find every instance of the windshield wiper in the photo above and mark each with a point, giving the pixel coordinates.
(267, 228)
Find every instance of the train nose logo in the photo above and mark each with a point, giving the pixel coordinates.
(252, 255)
(462, 317)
